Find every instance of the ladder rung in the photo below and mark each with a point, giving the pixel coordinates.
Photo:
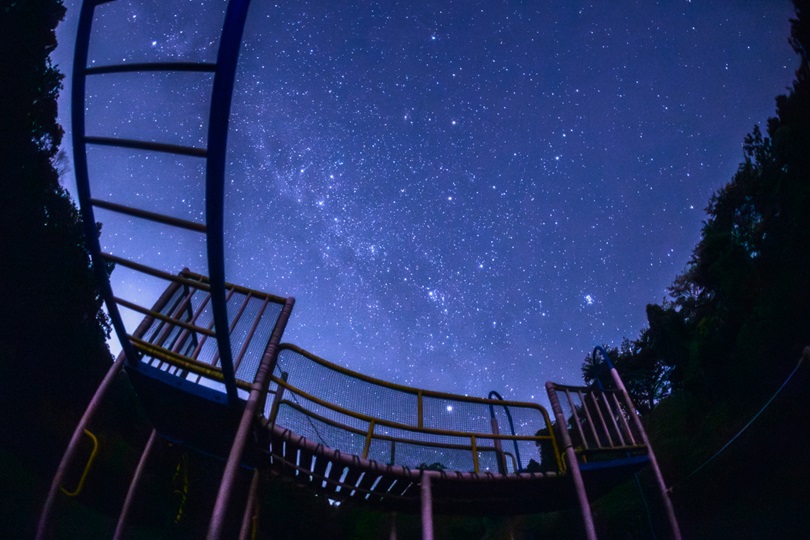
(151, 216)
(177, 322)
(154, 272)
(147, 145)
(205, 67)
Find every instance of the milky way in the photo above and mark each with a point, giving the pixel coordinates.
(465, 196)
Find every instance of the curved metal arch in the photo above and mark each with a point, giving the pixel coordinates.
(228, 54)
(215, 155)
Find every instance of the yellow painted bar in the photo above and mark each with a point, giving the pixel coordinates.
(86, 471)
(474, 448)
(189, 364)
(419, 417)
(369, 435)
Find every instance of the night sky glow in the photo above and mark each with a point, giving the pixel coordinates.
(465, 196)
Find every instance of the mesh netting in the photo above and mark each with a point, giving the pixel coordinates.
(251, 315)
(397, 425)
(597, 419)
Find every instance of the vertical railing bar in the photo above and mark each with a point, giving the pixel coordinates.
(426, 500)
(602, 422)
(162, 324)
(250, 334)
(211, 325)
(235, 321)
(174, 312)
(217, 353)
(271, 417)
(180, 339)
(577, 422)
(613, 412)
(185, 307)
(621, 413)
(201, 342)
(369, 435)
(474, 449)
(180, 342)
(419, 410)
(591, 423)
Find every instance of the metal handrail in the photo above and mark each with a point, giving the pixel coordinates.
(405, 427)
(410, 389)
(373, 423)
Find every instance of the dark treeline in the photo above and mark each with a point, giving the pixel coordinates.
(731, 330)
(52, 335)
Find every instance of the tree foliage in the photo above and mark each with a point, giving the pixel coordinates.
(53, 332)
(737, 317)
(731, 330)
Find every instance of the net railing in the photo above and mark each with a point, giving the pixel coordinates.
(178, 335)
(599, 421)
(410, 427)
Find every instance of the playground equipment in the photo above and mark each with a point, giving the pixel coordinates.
(213, 376)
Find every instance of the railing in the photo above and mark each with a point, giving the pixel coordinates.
(178, 340)
(400, 425)
(598, 420)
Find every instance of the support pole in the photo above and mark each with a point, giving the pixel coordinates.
(572, 463)
(250, 517)
(73, 445)
(659, 478)
(120, 528)
(427, 507)
(254, 402)
(392, 535)
(92, 408)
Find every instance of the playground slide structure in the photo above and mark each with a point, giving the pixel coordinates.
(212, 374)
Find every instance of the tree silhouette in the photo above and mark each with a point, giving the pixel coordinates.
(53, 333)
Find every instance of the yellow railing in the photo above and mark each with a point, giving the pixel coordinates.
(421, 434)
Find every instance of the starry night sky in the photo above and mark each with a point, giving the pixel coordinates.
(464, 196)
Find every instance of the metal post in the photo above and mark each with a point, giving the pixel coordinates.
(427, 507)
(73, 445)
(393, 533)
(631, 409)
(573, 464)
(120, 528)
(659, 478)
(255, 400)
(92, 408)
(249, 519)
(498, 447)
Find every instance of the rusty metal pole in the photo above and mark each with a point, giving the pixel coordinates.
(92, 408)
(573, 464)
(73, 445)
(255, 400)
(393, 533)
(659, 478)
(427, 507)
(123, 517)
(250, 517)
